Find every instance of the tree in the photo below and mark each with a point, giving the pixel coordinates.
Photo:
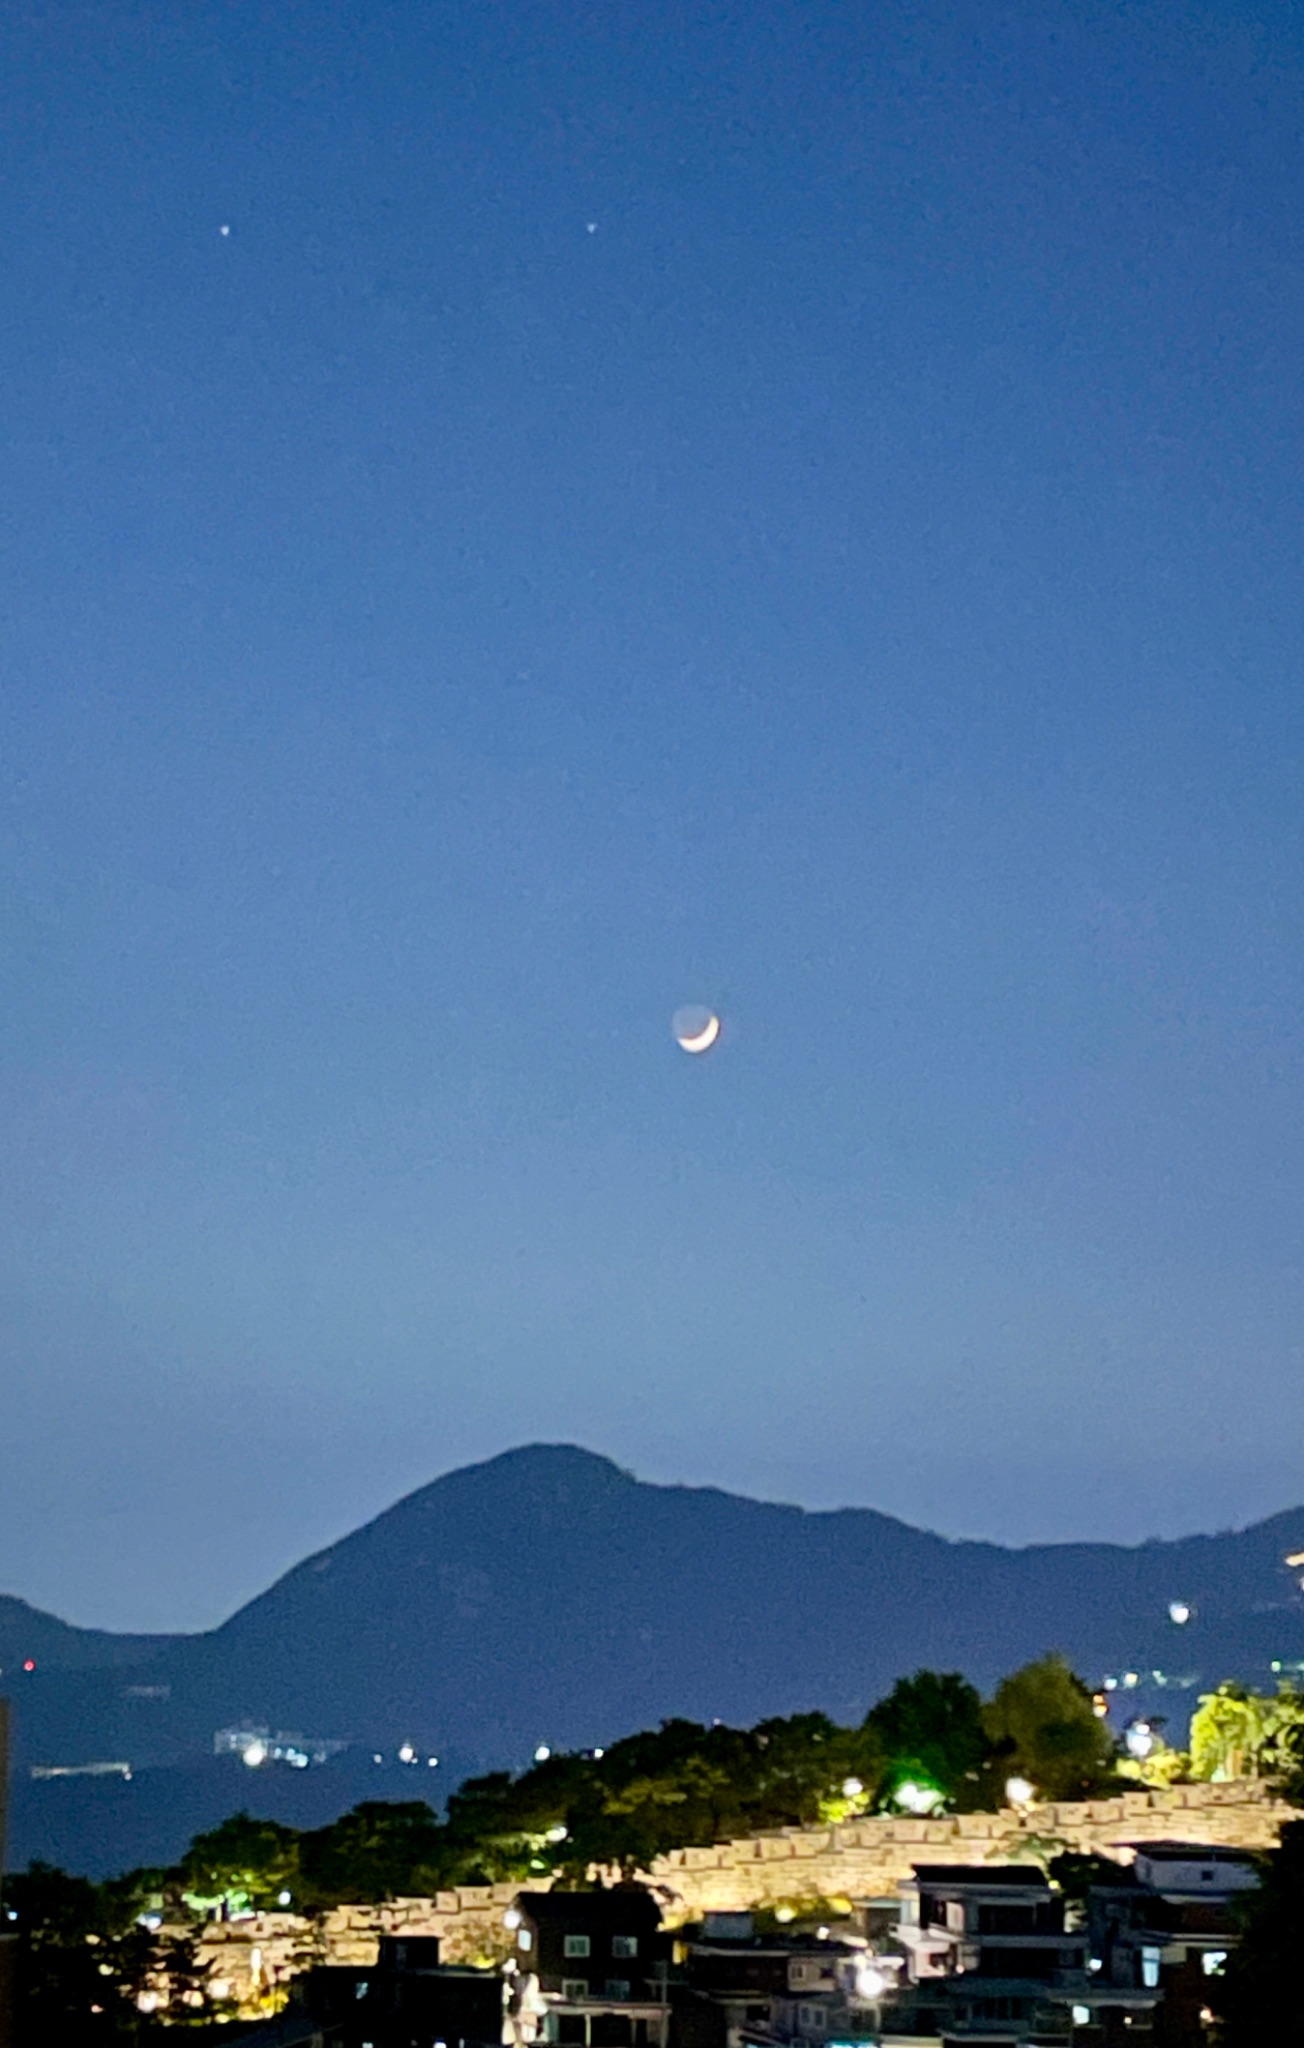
(241, 1862)
(382, 1849)
(931, 1729)
(1241, 1734)
(91, 1969)
(1043, 1727)
(1259, 1997)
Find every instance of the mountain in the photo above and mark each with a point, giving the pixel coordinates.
(549, 1596)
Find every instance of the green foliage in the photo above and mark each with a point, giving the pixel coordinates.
(931, 1728)
(1240, 1734)
(380, 1850)
(244, 1862)
(1043, 1727)
(1259, 1997)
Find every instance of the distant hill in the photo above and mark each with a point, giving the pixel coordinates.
(548, 1596)
(29, 1636)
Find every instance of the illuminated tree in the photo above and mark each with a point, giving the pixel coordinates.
(931, 1728)
(1241, 1734)
(242, 1862)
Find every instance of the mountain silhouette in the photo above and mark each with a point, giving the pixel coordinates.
(548, 1596)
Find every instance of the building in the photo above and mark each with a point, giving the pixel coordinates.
(989, 1958)
(1162, 1928)
(798, 1987)
(406, 1999)
(590, 1969)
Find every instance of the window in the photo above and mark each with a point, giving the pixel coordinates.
(617, 1987)
(575, 1945)
(525, 1940)
(360, 1988)
(625, 1946)
(800, 1974)
(1150, 1961)
(575, 1988)
(812, 2019)
(1081, 2015)
(1212, 1960)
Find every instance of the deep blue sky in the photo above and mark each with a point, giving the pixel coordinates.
(792, 506)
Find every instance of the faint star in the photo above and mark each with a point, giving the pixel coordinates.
(224, 229)
(592, 227)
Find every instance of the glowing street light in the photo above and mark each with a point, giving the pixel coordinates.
(1019, 1792)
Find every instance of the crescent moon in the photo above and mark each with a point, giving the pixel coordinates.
(704, 1039)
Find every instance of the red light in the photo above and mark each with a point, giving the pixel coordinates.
(29, 1663)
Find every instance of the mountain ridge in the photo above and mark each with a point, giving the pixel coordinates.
(549, 1596)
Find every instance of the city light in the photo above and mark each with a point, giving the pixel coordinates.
(1139, 1740)
(870, 1982)
(542, 1753)
(1019, 1792)
(1179, 1612)
(916, 1798)
(254, 1755)
(852, 1788)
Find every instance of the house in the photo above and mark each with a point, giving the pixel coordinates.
(599, 1944)
(1162, 1928)
(989, 1958)
(590, 1968)
(778, 1987)
(406, 1999)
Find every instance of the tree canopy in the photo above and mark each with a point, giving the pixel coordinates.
(1043, 1727)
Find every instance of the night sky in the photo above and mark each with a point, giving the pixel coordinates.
(514, 518)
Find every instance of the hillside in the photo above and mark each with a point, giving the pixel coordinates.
(548, 1596)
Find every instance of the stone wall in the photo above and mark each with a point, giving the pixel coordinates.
(867, 1858)
(860, 1859)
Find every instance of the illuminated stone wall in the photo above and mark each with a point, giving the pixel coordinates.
(858, 1860)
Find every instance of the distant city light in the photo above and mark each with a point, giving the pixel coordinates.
(29, 1663)
(852, 1788)
(283, 1898)
(1099, 1705)
(598, 1754)
(1019, 1792)
(1179, 1612)
(1131, 1679)
(557, 1833)
(376, 1757)
(785, 1913)
(432, 1763)
(254, 1755)
(511, 1919)
(542, 1753)
(870, 1983)
(406, 1753)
